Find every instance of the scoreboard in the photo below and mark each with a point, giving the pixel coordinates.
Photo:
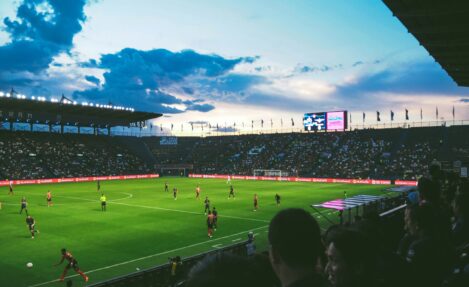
(326, 121)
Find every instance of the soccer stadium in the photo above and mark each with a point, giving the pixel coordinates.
(122, 164)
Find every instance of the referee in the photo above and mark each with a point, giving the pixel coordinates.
(103, 202)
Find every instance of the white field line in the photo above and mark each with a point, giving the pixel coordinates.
(153, 255)
(167, 209)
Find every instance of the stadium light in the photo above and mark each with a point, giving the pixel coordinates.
(2, 94)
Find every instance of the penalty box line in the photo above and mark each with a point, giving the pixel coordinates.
(168, 209)
(153, 255)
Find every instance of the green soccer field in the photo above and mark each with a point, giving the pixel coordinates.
(143, 225)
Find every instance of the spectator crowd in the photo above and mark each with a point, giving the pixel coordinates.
(28, 155)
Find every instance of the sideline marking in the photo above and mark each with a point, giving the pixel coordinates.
(152, 255)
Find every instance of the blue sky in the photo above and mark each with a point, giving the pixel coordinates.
(223, 61)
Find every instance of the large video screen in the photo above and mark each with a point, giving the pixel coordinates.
(328, 121)
(314, 121)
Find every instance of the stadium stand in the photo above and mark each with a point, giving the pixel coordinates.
(28, 155)
(379, 154)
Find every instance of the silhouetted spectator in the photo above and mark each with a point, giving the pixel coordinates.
(429, 254)
(295, 247)
(352, 259)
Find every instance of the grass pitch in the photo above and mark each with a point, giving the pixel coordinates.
(143, 225)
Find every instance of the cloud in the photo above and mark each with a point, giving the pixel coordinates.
(93, 80)
(157, 79)
(423, 77)
(301, 69)
(357, 63)
(42, 30)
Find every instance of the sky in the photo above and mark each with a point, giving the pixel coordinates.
(224, 61)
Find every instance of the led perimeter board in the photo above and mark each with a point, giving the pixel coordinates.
(326, 121)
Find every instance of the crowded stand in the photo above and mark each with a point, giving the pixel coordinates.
(378, 154)
(28, 155)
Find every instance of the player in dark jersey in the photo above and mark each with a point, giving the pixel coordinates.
(24, 205)
(49, 198)
(231, 192)
(31, 225)
(277, 199)
(72, 263)
(166, 186)
(215, 218)
(210, 224)
(11, 188)
(197, 192)
(207, 205)
(175, 193)
(256, 202)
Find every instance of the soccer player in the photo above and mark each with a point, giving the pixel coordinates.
(197, 192)
(24, 205)
(256, 202)
(215, 218)
(175, 193)
(166, 186)
(98, 185)
(277, 199)
(72, 263)
(345, 194)
(207, 205)
(11, 188)
(231, 192)
(103, 202)
(210, 224)
(31, 223)
(49, 198)
(228, 180)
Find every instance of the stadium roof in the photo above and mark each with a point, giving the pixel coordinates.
(17, 109)
(442, 27)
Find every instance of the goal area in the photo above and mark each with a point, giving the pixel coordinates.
(270, 172)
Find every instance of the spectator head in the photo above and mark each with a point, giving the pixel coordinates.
(428, 190)
(295, 244)
(350, 259)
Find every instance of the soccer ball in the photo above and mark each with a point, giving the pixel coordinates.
(29, 265)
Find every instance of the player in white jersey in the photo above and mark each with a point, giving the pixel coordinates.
(228, 180)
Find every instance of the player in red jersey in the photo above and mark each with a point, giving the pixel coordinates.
(210, 220)
(49, 198)
(197, 192)
(256, 202)
(72, 263)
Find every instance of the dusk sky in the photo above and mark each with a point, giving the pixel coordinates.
(225, 60)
